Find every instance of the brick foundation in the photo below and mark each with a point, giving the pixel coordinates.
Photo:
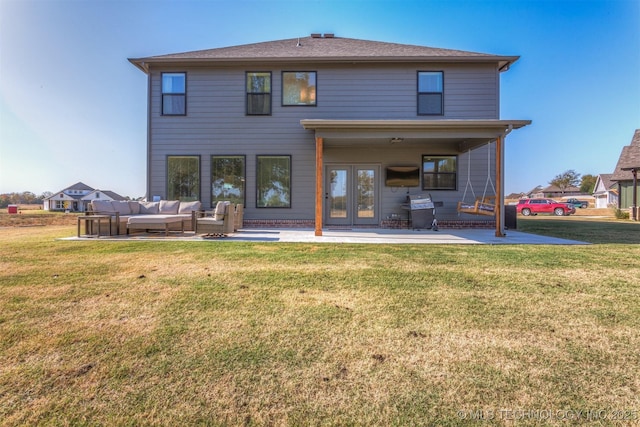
(396, 224)
(278, 223)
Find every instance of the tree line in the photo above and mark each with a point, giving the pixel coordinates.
(24, 198)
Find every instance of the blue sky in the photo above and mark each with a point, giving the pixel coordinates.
(72, 108)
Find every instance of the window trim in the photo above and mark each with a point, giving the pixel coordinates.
(455, 174)
(163, 93)
(441, 113)
(258, 156)
(247, 93)
(244, 176)
(282, 87)
(168, 156)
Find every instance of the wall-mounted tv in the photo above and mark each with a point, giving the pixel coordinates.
(402, 176)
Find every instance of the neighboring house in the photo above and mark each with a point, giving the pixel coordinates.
(325, 131)
(515, 196)
(605, 191)
(628, 165)
(536, 193)
(76, 198)
(554, 191)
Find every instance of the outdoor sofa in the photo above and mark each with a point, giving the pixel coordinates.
(165, 215)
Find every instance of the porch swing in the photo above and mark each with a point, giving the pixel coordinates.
(484, 205)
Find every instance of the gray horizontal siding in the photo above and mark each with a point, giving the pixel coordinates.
(216, 124)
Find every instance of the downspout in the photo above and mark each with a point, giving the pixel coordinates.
(500, 158)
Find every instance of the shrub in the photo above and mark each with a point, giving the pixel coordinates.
(620, 214)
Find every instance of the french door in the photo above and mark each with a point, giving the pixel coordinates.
(352, 194)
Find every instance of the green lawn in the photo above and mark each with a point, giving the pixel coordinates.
(230, 333)
(592, 230)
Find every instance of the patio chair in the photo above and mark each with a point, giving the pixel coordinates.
(221, 221)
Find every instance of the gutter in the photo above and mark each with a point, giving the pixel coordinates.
(140, 64)
(504, 62)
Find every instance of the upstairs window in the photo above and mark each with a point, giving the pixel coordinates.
(439, 172)
(258, 94)
(430, 93)
(174, 94)
(299, 88)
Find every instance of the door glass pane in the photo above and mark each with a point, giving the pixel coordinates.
(366, 193)
(338, 193)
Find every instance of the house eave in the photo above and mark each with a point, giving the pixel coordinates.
(144, 64)
(459, 135)
(497, 125)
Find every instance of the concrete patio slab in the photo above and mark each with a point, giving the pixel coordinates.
(368, 236)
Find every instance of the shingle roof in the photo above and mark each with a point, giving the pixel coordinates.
(556, 189)
(80, 186)
(114, 196)
(325, 49)
(629, 158)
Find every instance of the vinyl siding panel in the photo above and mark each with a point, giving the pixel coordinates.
(216, 124)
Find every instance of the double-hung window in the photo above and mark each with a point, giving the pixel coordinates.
(174, 94)
(439, 172)
(299, 88)
(258, 93)
(183, 178)
(430, 93)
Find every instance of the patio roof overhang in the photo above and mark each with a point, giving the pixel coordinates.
(461, 135)
(458, 134)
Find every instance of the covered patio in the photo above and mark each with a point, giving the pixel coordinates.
(456, 136)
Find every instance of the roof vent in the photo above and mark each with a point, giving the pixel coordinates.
(316, 35)
(328, 35)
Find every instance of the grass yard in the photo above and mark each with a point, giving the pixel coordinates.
(229, 333)
(592, 230)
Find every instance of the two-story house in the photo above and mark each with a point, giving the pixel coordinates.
(325, 131)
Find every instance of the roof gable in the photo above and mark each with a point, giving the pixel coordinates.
(606, 180)
(79, 186)
(603, 183)
(629, 158)
(324, 49)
